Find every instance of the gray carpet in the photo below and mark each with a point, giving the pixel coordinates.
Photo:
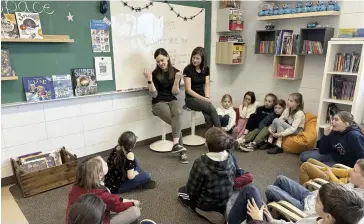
(161, 204)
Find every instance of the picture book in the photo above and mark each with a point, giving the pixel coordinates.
(38, 88)
(35, 165)
(29, 25)
(9, 28)
(6, 69)
(84, 81)
(62, 86)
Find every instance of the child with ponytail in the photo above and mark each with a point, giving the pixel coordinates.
(125, 173)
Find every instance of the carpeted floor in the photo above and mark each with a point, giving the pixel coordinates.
(161, 204)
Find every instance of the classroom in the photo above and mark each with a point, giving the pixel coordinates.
(173, 112)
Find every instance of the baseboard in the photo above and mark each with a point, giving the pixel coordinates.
(10, 180)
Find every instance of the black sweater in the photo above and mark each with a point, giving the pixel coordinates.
(257, 117)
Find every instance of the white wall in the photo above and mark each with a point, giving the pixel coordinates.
(90, 125)
(257, 73)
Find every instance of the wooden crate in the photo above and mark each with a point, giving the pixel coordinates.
(44, 180)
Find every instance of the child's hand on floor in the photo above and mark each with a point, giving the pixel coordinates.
(277, 135)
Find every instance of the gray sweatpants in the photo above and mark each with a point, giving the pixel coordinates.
(208, 110)
(129, 216)
(279, 125)
(170, 112)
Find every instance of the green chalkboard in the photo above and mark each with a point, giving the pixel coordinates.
(41, 59)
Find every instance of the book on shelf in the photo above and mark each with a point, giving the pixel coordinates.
(62, 86)
(231, 38)
(6, 69)
(9, 27)
(312, 47)
(342, 88)
(230, 4)
(84, 81)
(266, 46)
(237, 54)
(29, 25)
(38, 88)
(286, 43)
(347, 62)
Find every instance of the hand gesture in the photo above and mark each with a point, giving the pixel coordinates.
(178, 76)
(276, 135)
(245, 104)
(327, 130)
(254, 211)
(136, 172)
(147, 74)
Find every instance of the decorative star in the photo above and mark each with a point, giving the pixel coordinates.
(125, 4)
(70, 17)
(185, 19)
(178, 15)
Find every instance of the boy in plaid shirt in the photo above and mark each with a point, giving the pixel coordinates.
(211, 179)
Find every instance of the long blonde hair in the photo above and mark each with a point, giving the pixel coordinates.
(88, 173)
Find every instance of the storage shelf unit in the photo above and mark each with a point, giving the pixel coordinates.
(296, 60)
(9, 78)
(299, 15)
(354, 106)
(322, 34)
(46, 39)
(230, 53)
(265, 35)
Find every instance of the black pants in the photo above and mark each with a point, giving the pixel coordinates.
(224, 120)
(191, 203)
(207, 109)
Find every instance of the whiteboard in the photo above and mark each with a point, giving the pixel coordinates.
(136, 35)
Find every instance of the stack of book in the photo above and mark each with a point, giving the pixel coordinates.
(266, 47)
(312, 47)
(231, 38)
(39, 161)
(347, 62)
(342, 88)
(287, 43)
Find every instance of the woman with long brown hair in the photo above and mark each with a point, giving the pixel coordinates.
(163, 86)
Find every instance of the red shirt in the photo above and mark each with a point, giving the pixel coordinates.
(113, 202)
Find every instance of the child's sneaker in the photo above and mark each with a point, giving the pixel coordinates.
(213, 216)
(249, 147)
(267, 145)
(178, 148)
(147, 221)
(183, 158)
(260, 144)
(275, 150)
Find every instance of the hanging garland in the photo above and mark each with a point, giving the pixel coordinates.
(137, 9)
(185, 18)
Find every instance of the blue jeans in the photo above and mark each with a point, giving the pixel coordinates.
(239, 212)
(315, 154)
(287, 190)
(140, 179)
(238, 171)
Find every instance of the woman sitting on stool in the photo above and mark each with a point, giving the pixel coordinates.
(197, 81)
(343, 142)
(163, 86)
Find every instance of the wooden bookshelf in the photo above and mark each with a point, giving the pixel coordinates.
(225, 53)
(343, 73)
(9, 78)
(345, 102)
(299, 15)
(46, 39)
(297, 61)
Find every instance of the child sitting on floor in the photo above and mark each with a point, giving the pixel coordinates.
(291, 122)
(261, 112)
(245, 110)
(313, 169)
(335, 204)
(125, 173)
(227, 113)
(210, 183)
(89, 179)
(256, 139)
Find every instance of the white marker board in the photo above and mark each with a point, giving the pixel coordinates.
(136, 35)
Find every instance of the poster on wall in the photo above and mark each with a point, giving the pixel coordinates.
(100, 36)
(103, 67)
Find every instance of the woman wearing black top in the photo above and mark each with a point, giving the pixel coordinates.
(163, 86)
(197, 81)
